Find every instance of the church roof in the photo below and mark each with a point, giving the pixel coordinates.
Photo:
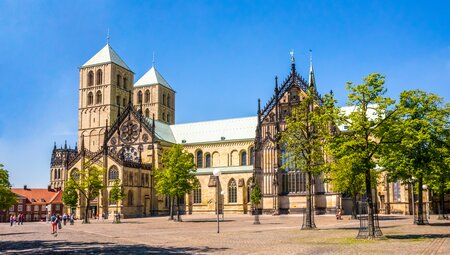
(106, 55)
(207, 131)
(152, 77)
(215, 131)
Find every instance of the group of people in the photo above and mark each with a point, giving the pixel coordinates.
(56, 220)
(16, 219)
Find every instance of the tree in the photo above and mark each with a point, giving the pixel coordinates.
(88, 182)
(116, 195)
(420, 129)
(439, 178)
(70, 196)
(345, 179)
(307, 130)
(367, 132)
(177, 176)
(256, 197)
(7, 197)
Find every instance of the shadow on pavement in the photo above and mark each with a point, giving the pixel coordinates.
(207, 220)
(66, 247)
(440, 224)
(403, 237)
(391, 218)
(18, 233)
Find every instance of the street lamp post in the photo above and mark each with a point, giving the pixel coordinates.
(217, 173)
(425, 187)
(223, 204)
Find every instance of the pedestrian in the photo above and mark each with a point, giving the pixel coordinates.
(20, 219)
(11, 220)
(14, 219)
(54, 222)
(59, 221)
(71, 218)
(64, 218)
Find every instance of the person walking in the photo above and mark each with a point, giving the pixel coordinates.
(20, 219)
(64, 218)
(54, 222)
(11, 220)
(71, 218)
(59, 221)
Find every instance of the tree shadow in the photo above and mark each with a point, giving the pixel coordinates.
(18, 233)
(391, 218)
(440, 224)
(206, 220)
(405, 237)
(66, 247)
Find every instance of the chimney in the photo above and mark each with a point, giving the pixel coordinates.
(25, 187)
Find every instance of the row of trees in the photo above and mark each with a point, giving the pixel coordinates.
(409, 139)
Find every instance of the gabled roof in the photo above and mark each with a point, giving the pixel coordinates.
(106, 55)
(40, 196)
(152, 77)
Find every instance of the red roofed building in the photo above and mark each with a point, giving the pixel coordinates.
(33, 203)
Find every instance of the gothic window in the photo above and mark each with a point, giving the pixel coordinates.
(113, 173)
(130, 179)
(198, 195)
(118, 100)
(125, 83)
(243, 158)
(75, 175)
(252, 155)
(99, 77)
(98, 97)
(207, 160)
(147, 113)
(168, 100)
(118, 80)
(140, 97)
(232, 191)
(90, 98)
(130, 198)
(90, 78)
(55, 174)
(147, 96)
(164, 116)
(199, 159)
(167, 118)
(164, 99)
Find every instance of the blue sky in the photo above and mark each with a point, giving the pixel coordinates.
(219, 56)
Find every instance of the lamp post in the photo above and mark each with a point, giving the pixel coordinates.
(217, 173)
(425, 187)
(223, 204)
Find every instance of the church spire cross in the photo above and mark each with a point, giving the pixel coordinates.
(292, 53)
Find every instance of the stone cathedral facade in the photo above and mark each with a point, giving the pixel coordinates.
(125, 126)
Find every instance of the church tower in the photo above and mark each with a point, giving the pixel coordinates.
(156, 96)
(106, 84)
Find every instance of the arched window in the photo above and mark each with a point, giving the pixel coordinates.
(125, 83)
(147, 96)
(75, 175)
(252, 155)
(199, 159)
(130, 198)
(232, 191)
(164, 116)
(168, 118)
(99, 77)
(168, 100)
(55, 174)
(164, 99)
(90, 78)
(113, 173)
(118, 80)
(140, 97)
(147, 113)
(98, 97)
(59, 173)
(243, 158)
(198, 195)
(207, 160)
(90, 98)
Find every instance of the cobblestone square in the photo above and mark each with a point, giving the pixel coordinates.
(197, 235)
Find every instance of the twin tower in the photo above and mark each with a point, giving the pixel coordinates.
(107, 87)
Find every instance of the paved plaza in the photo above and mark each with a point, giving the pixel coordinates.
(197, 235)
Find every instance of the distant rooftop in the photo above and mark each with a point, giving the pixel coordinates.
(152, 77)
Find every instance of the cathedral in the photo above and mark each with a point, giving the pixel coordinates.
(125, 126)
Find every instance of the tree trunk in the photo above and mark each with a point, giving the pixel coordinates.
(308, 222)
(442, 215)
(354, 207)
(178, 209)
(171, 208)
(86, 211)
(420, 220)
(370, 211)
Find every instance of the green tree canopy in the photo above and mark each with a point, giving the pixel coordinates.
(7, 197)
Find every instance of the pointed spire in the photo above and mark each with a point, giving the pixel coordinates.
(311, 80)
(54, 146)
(82, 145)
(276, 85)
(293, 72)
(65, 144)
(259, 106)
(129, 97)
(76, 146)
(105, 138)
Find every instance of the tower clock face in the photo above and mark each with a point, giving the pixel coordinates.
(129, 132)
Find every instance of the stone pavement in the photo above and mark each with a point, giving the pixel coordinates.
(197, 235)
